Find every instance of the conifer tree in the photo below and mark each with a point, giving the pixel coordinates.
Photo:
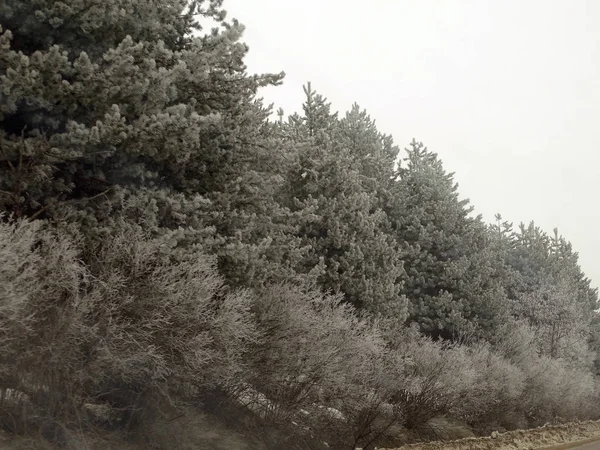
(453, 282)
(335, 185)
(128, 110)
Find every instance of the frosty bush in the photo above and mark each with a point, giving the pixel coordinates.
(41, 318)
(317, 362)
(309, 344)
(431, 386)
(491, 384)
(556, 392)
(554, 389)
(467, 382)
(138, 324)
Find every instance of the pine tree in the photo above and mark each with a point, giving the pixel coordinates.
(454, 283)
(373, 154)
(335, 186)
(127, 110)
(82, 114)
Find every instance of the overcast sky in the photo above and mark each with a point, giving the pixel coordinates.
(507, 92)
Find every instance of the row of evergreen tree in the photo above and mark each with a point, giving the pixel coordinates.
(126, 114)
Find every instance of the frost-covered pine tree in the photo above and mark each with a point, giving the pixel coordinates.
(130, 110)
(453, 282)
(335, 186)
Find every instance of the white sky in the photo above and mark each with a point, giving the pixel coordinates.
(507, 92)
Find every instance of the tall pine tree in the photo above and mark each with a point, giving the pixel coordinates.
(129, 111)
(454, 283)
(336, 185)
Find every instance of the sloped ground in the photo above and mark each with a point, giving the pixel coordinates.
(203, 434)
(521, 439)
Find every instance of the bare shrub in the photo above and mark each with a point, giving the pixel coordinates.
(470, 383)
(40, 311)
(140, 329)
(164, 325)
(554, 389)
(491, 384)
(315, 362)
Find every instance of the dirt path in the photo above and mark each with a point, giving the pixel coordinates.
(553, 437)
(591, 446)
(588, 444)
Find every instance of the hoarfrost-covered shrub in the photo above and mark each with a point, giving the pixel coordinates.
(554, 389)
(137, 324)
(492, 384)
(432, 386)
(41, 317)
(320, 366)
(163, 322)
(312, 346)
(556, 392)
(466, 382)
